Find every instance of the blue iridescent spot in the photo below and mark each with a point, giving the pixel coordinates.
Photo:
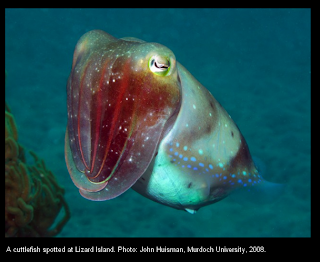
(239, 181)
(200, 164)
(189, 166)
(244, 184)
(185, 159)
(193, 159)
(225, 177)
(249, 180)
(177, 144)
(217, 175)
(176, 153)
(211, 167)
(195, 168)
(171, 149)
(233, 175)
(180, 156)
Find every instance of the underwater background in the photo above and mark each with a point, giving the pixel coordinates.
(255, 62)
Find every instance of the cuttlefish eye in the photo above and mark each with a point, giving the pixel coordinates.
(159, 65)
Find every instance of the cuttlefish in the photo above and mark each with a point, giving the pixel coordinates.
(138, 119)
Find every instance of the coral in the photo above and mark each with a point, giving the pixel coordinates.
(33, 197)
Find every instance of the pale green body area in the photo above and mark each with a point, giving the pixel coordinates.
(201, 144)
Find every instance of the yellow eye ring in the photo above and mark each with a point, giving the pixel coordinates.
(159, 65)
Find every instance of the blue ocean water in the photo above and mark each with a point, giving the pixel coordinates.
(255, 62)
